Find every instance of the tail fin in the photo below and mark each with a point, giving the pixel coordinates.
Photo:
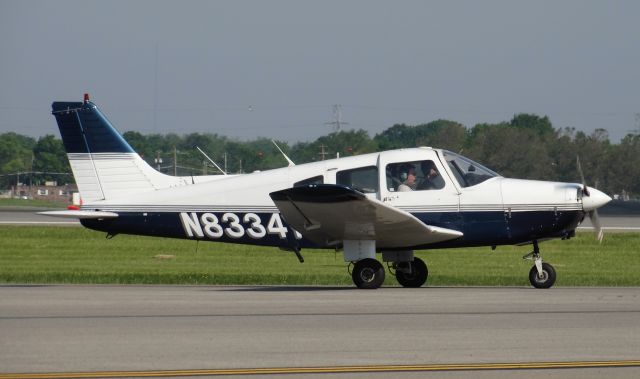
(103, 163)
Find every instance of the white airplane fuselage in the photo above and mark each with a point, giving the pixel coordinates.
(495, 212)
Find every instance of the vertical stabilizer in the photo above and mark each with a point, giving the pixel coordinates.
(103, 163)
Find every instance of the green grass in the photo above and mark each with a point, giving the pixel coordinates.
(77, 255)
(34, 203)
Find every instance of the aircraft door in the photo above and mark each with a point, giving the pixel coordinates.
(416, 182)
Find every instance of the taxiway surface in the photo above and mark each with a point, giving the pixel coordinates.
(62, 328)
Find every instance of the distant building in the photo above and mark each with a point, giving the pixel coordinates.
(48, 191)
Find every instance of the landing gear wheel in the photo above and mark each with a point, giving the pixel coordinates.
(368, 274)
(417, 277)
(546, 280)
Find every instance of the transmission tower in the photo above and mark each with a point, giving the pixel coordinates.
(337, 118)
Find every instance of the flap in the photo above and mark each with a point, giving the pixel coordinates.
(327, 214)
(80, 214)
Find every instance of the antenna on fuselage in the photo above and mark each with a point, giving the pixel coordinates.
(283, 154)
(211, 160)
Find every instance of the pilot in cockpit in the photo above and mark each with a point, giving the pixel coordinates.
(431, 178)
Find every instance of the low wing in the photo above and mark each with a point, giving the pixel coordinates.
(327, 214)
(80, 214)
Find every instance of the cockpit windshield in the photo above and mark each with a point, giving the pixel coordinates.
(467, 172)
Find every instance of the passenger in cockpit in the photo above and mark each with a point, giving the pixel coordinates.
(408, 178)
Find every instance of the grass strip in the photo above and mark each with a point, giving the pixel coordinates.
(32, 203)
(50, 254)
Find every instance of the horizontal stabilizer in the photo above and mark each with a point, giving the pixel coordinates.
(80, 214)
(327, 214)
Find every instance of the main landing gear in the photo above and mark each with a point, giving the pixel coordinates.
(541, 275)
(368, 274)
(411, 274)
(410, 271)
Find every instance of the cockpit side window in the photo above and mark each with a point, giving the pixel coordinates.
(314, 180)
(467, 172)
(413, 176)
(363, 179)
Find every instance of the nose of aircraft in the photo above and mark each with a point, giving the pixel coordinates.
(595, 200)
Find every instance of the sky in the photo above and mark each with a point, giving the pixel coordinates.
(251, 68)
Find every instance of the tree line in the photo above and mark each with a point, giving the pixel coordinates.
(528, 146)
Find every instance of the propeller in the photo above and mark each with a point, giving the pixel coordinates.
(591, 206)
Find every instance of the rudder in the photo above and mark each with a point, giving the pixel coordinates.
(103, 163)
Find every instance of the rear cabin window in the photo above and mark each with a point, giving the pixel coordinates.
(315, 180)
(363, 179)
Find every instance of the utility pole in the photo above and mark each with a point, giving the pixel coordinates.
(175, 162)
(636, 124)
(155, 88)
(33, 158)
(337, 118)
(322, 152)
(225, 161)
(158, 160)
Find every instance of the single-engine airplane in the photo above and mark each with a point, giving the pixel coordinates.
(392, 202)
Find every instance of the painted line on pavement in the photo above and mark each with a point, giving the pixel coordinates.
(326, 370)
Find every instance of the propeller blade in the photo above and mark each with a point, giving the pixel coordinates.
(595, 221)
(584, 182)
(596, 201)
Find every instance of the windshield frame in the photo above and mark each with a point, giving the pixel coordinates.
(480, 173)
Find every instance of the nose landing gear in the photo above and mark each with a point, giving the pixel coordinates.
(541, 275)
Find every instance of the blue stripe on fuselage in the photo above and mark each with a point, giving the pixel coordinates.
(500, 228)
(265, 229)
(479, 228)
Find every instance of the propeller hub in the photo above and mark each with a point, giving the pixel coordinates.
(594, 199)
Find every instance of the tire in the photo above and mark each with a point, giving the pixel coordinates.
(368, 274)
(548, 276)
(417, 277)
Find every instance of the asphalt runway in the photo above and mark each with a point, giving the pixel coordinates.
(614, 224)
(319, 331)
(18, 217)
